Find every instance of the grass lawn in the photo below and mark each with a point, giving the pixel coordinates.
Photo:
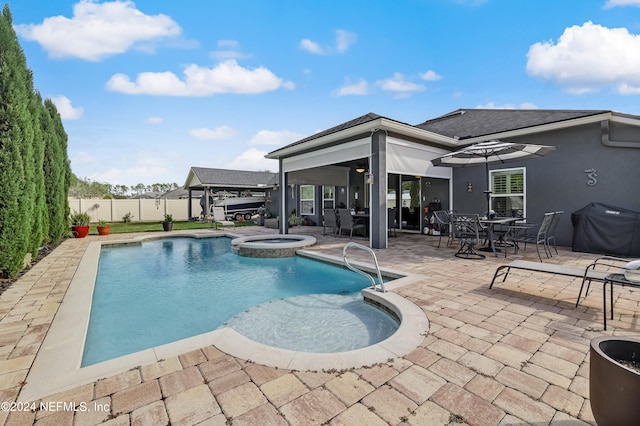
(122, 228)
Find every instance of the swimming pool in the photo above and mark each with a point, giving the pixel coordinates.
(57, 365)
(165, 290)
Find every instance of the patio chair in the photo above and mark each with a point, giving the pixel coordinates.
(603, 266)
(218, 217)
(442, 218)
(552, 231)
(527, 234)
(330, 220)
(348, 223)
(392, 221)
(467, 229)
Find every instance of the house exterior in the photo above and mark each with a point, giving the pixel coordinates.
(375, 164)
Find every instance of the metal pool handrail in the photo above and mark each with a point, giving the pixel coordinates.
(354, 269)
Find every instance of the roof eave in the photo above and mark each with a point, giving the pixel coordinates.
(551, 126)
(370, 126)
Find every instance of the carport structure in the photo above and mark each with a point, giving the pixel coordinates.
(232, 181)
(372, 157)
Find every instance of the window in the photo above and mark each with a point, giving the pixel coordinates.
(508, 196)
(307, 199)
(329, 197)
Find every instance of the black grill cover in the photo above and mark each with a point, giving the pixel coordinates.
(603, 229)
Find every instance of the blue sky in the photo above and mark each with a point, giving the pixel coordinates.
(150, 88)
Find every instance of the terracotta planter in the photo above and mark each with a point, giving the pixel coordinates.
(614, 388)
(167, 226)
(80, 231)
(104, 230)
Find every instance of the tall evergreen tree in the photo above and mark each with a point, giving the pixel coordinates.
(57, 173)
(40, 224)
(16, 137)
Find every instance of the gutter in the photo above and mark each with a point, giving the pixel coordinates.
(604, 126)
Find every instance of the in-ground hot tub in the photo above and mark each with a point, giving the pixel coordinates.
(281, 245)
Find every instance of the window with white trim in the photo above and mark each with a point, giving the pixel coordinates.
(508, 192)
(307, 199)
(329, 197)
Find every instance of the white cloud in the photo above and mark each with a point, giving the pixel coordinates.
(230, 51)
(253, 159)
(154, 120)
(222, 132)
(65, 109)
(588, 58)
(311, 47)
(431, 76)
(613, 3)
(143, 166)
(98, 30)
(398, 85)
(82, 157)
(524, 105)
(359, 88)
(226, 77)
(277, 138)
(344, 39)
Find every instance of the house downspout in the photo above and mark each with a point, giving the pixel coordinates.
(604, 127)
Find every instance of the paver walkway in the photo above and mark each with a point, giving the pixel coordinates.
(511, 355)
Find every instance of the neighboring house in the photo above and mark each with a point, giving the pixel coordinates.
(235, 182)
(373, 163)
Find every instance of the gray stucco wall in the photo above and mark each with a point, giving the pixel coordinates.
(559, 180)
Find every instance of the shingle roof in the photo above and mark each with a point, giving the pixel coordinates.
(346, 125)
(470, 123)
(234, 178)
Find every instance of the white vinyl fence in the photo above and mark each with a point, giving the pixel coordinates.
(140, 210)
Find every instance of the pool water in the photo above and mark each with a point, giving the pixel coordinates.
(166, 290)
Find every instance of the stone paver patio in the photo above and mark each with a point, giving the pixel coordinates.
(515, 354)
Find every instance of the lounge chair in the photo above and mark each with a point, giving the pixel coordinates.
(598, 270)
(218, 217)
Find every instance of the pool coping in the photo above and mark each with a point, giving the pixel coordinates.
(57, 368)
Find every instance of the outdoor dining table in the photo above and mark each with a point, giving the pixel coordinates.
(491, 223)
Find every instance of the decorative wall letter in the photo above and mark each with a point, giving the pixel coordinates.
(591, 174)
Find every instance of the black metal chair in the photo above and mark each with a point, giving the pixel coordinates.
(348, 223)
(443, 222)
(392, 221)
(467, 229)
(330, 220)
(551, 237)
(527, 234)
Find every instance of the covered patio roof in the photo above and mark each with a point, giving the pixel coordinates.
(234, 180)
(372, 142)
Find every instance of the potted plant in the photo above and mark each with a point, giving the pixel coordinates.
(103, 227)
(614, 380)
(80, 224)
(294, 219)
(167, 225)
